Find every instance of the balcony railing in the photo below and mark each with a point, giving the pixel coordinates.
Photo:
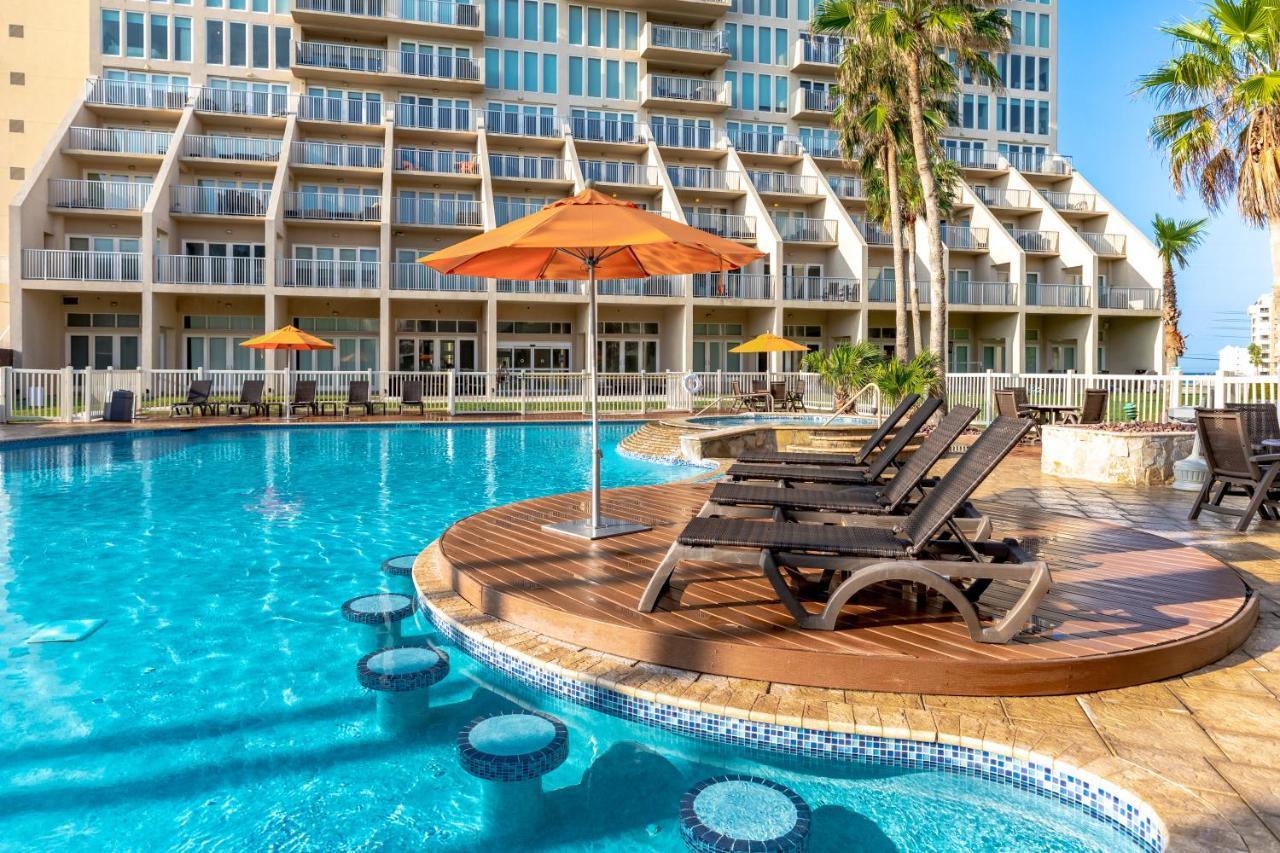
(420, 277)
(970, 159)
(252, 148)
(523, 124)
(620, 130)
(658, 285)
(124, 93)
(693, 178)
(784, 184)
(805, 230)
(825, 149)
(821, 49)
(116, 141)
(1057, 295)
(1130, 298)
(1042, 164)
(432, 161)
(755, 142)
(815, 101)
(513, 209)
(71, 265)
(445, 12)
(964, 237)
(847, 187)
(692, 89)
(730, 286)
(819, 289)
(728, 225)
(435, 66)
(976, 293)
(97, 195)
(343, 111)
(423, 117)
(450, 213)
(1105, 244)
(1038, 242)
(340, 57)
(241, 102)
(338, 154)
(202, 269)
(332, 207)
(994, 197)
(346, 275)
(682, 136)
(874, 234)
(881, 289)
(687, 38)
(619, 172)
(549, 287)
(527, 167)
(1073, 202)
(219, 201)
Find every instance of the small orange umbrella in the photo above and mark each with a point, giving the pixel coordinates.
(769, 342)
(591, 236)
(287, 338)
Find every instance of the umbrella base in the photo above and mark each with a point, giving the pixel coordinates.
(581, 528)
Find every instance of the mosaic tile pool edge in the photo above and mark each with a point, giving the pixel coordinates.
(1111, 805)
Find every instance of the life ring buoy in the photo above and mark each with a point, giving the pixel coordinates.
(692, 383)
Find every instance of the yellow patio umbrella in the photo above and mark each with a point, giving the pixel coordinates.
(287, 338)
(769, 342)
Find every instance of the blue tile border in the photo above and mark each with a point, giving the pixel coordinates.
(1095, 798)
(401, 682)
(520, 767)
(704, 839)
(390, 609)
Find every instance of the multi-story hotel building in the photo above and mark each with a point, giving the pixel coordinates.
(233, 165)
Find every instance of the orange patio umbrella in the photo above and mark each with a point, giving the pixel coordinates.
(587, 237)
(769, 342)
(287, 338)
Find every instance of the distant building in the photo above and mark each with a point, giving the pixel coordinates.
(1260, 327)
(1234, 361)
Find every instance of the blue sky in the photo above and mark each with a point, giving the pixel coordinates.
(1105, 46)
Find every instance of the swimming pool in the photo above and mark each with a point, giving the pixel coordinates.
(726, 421)
(218, 705)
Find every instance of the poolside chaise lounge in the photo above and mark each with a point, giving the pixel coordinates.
(927, 549)
(250, 402)
(411, 395)
(304, 396)
(882, 460)
(197, 398)
(358, 398)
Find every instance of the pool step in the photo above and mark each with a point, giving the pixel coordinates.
(657, 440)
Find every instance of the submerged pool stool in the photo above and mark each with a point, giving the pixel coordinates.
(380, 614)
(511, 752)
(739, 812)
(399, 572)
(402, 677)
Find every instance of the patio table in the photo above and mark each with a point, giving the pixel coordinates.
(1051, 411)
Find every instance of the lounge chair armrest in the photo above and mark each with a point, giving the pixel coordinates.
(1265, 458)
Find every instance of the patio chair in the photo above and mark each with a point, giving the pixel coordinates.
(928, 549)
(358, 398)
(1260, 422)
(1007, 407)
(197, 398)
(304, 396)
(779, 399)
(1234, 469)
(1020, 396)
(742, 400)
(1094, 410)
(795, 399)
(250, 402)
(881, 462)
(411, 395)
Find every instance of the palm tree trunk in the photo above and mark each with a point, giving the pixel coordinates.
(916, 342)
(932, 217)
(901, 345)
(1274, 225)
(1173, 342)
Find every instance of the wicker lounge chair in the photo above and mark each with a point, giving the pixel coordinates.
(411, 395)
(958, 569)
(1260, 421)
(882, 460)
(1094, 410)
(731, 499)
(1007, 407)
(304, 396)
(197, 398)
(250, 402)
(358, 398)
(1234, 469)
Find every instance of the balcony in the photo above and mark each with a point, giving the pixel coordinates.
(962, 238)
(1072, 202)
(423, 278)
(766, 144)
(340, 275)
(342, 111)
(732, 286)
(240, 149)
(1035, 242)
(817, 54)
(1106, 245)
(547, 287)
(1000, 293)
(813, 105)
(819, 289)
(874, 234)
(693, 11)
(980, 160)
(460, 73)
(112, 141)
(702, 179)
(847, 188)
(435, 120)
(432, 162)
(372, 64)
(135, 95)
(671, 135)
(243, 102)
(1057, 295)
(436, 213)
(881, 290)
(205, 270)
(684, 47)
(332, 207)
(727, 225)
(218, 201)
(802, 229)
(337, 155)
(70, 265)
(781, 183)
(688, 94)
(1129, 298)
(521, 168)
(658, 285)
(1053, 165)
(528, 125)
(826, 149)
(112, 196)
(443, 18)
(621, 173)
(1001, 199)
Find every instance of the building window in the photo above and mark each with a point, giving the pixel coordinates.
(16, 31)
(284, 38)
(135, 34)
(238, 52)
(213, 42)
(159, 36)
(17, 173)
(110, 32)
(16, 125)
(261, 46)
(17, 78)
(182, 39)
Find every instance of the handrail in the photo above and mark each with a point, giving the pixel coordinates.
(870, 386)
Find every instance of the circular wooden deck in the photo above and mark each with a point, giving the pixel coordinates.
(1126, 607)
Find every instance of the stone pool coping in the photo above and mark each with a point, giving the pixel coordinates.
(1155, 812)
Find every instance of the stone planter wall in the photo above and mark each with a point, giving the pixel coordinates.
(1133, 459)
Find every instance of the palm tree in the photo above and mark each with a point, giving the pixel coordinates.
(846, 368)
(947, 174)
(1222, 133)
(919, 35)
(1175, 241)
(921, 375)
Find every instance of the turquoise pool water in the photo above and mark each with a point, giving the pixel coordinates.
(218, 706)
(726, 421)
